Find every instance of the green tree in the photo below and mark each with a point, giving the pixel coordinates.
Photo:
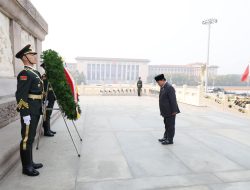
(226, 80)
(79, 77)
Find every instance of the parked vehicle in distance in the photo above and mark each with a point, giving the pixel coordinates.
(215, 90)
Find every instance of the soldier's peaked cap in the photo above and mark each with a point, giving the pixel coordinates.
(160, 77)
(26, 50)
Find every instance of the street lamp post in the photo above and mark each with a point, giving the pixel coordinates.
(208, 22)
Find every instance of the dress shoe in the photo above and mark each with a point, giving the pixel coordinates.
(161, 140)
(30, 171)
(37, 165)
(167, 142)
(48, 134)
(53, 132)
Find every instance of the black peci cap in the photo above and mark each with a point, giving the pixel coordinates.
(160, 77)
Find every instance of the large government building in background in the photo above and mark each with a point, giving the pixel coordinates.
(111, 70)
(98, 70)
(194, 69)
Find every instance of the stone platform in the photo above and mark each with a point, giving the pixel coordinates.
(120, 150)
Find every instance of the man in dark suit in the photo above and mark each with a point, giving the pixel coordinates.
(29, 104)
(168, 108)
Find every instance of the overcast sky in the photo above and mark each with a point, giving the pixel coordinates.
(164, 31)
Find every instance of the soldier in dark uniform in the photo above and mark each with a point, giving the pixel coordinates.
(139, 86)
(29, 104)
(49, 104)
(168, 108)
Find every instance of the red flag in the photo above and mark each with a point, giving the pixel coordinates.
(245, 74)
(71, 83)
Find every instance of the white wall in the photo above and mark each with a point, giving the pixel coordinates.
(6, 56)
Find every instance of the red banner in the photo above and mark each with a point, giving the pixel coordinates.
(71, 83)
(245, 74)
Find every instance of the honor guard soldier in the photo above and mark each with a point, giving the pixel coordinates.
(29, 104)
(139, 86)
(49, 105)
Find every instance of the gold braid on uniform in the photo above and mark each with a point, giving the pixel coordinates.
(22, 104)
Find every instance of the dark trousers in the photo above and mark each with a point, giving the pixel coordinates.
(46, 123)
(169, 127)
(139, 91)
(50, 105)
(28, 133)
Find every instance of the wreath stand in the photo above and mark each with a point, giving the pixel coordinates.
(63, 116)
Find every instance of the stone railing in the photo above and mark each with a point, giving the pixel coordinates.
(228, 102)
(188, 95)
(192, 96)
(185, 94)
(111, 90)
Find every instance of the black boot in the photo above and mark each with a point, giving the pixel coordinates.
(53, 132)
(48, 124)
(167, 142)
(30, 171)
(47, 132)
(163, 139)
(26, 163)
(35, 165)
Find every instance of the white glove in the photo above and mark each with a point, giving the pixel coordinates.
(46, 103)
(26, 119)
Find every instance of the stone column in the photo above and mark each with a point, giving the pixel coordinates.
(39, 52)
(116, 72)
(91, 77)
(100, 72)
(96, 71)
(110, 75)
(126, 72)
(122, 72)
(130, 69)
(134, 77)
(105, 71)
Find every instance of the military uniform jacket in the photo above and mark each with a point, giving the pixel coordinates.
(167, 101)
(48, 89)
(29, 83)
(139, 84)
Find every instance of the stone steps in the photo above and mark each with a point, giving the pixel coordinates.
(10, 136)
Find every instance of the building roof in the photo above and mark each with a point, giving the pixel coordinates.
(111, 59)
(180, 66)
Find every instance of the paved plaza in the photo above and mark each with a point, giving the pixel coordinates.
(120, 150)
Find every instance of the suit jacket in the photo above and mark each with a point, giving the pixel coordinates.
(167, 100)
